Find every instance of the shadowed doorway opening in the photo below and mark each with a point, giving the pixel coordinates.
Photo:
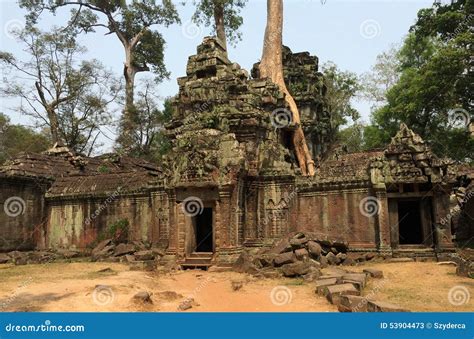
(410, 224)
(204, 236)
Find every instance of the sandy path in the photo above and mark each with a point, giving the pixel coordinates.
(63, 287)
(70, 287)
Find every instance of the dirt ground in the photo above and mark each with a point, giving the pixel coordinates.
(68, 287)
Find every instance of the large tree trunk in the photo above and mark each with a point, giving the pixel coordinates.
(219, 21)
(54, 127)
(51, 113)
(129, 73)
(271, 66)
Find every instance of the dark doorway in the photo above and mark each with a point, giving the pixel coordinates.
(410, 226)
(204, 231)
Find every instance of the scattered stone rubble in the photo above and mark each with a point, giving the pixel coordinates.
(138, 255)
(37, 257)
(316, 260)
(142, 297)
(300, 254)
(345, 288)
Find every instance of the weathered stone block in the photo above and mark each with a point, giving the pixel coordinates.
(281, 247)
(314, 249)
(349, 262)
(142, 297)
(144, 255)
(295, 269)
(333, 293)
(323, 261)
(360, 278)
(374, 273)
(284, 258)
(122, 249)
(102, 245)
(321, 283)
(301, 253)
(298, 243)
(380, 306)
(313, 274)
(103, 253)
(352, 303)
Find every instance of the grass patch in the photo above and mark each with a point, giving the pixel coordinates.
(294, 282)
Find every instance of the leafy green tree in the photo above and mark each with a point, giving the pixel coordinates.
(351, 138)
(71, 99)
(435, 86)
(342, 88)
(134, 25)
(224, 15)
(16, 138)
(384, 75)
(149, 140)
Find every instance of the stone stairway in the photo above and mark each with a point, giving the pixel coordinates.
(201, 260)
(416, 252)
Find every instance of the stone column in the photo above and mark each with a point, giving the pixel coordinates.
(173, 223)
(225, 217)
(383, 219)
(442, 230)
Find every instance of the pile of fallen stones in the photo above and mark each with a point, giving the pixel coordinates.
(37, 257)
(344, 288)
(300, 254)
(138, 255)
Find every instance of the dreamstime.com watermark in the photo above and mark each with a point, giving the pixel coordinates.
(369, 206)
(103, 295)
(192, 206)
(373, 292)
(456, 210)
(190, 30)
(281, 295)
(281, 117)
(194, 293)
(459, 295)
(46, 327)
(15, 294)
(14, 206)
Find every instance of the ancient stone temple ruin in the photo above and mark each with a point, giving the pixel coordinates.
(231, 181)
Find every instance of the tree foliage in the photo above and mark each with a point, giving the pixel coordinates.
(206, 12)
(342, 88)
(70, 98)
(384, 75)
(133, 23)
(434, 93)
(16, 138)
(148, 140)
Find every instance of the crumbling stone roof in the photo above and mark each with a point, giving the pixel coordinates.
(76, 174)
(102, 184)
(61, 162)
(349, 167)
(408, 159)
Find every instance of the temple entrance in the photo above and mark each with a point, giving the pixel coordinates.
(203, 231)
(410, 223)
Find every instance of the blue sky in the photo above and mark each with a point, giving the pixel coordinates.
(349, 33)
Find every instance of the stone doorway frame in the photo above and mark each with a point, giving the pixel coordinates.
(190, 236)
(425, 205)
